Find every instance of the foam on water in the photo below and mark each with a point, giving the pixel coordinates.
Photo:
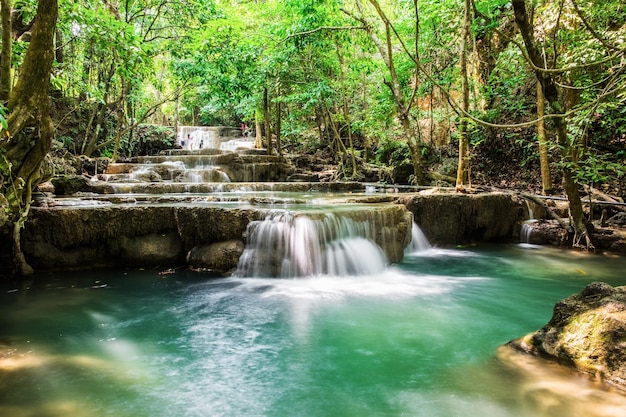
(389, 284)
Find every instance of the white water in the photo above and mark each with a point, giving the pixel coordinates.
(419, 241)
(204, 174)
(296, 245)
(289, 245)
(177, 171)
(197, 137)
(233, 145)
(526, 231)
(208, 137)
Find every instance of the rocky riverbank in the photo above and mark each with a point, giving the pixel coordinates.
(587, 332)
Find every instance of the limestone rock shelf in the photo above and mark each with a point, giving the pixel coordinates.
(162, 235)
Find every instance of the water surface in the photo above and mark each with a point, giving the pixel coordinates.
(418, 339)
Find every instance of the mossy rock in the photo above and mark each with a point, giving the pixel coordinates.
(69, 184)
(587, 332)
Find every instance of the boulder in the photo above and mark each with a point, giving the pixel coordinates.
(587, 332)
(453, 218)
(132, 235)
(220, 257)
(69, 184)
(550, 232)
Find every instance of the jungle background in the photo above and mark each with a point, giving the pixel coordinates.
(337, 77)
(526, 95)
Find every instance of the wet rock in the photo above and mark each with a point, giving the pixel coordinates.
(91, 166)
(304, 177)
(587, 332)
(448, 219)
(46, 187)
(147, 176)
(69, 184)
(550, 232)
(149, 250)
(160, 235)
(80, 165)
(220, 257)
(547, 232)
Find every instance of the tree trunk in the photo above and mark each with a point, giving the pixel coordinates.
(101, 110)
(28, 106)
(319, 122)
(279, 146)
(258, 128)
(551, 94)
(121, 120)
(402, 107)
(5, 55)
(462, 176)
(266, 118)
(346, 111)
(546, 176)
(490, 42)
(59, 52)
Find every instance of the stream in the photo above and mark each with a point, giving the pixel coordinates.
(416, 339)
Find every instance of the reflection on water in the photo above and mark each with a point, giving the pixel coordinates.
(419, 339)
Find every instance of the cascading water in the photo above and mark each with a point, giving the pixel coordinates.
(527, 228)
(419, 242)
(526, 231)
(296, 245)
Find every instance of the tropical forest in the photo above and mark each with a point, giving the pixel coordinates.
(313, 208)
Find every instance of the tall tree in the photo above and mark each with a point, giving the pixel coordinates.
(544, 157)
(386, 49)
(549, 86)
(23, 151)
(462, 177)
(5, 54)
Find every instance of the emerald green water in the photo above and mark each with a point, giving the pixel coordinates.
(417, 340)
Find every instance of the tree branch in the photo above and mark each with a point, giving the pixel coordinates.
(321, 28)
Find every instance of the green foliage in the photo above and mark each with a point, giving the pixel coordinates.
(393, 152)
(209, 62)
(506, 86)
(595, 169)
(146, 139)
(528, 149)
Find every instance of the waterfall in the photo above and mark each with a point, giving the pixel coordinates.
(291, 245)
(198, 137)
(419, 242)
(527, 228)
(526, 231)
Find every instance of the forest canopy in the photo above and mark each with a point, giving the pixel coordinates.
(387, 73)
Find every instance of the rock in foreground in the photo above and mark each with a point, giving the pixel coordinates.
(587, 332)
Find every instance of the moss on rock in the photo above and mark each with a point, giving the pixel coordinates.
(587, 332)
